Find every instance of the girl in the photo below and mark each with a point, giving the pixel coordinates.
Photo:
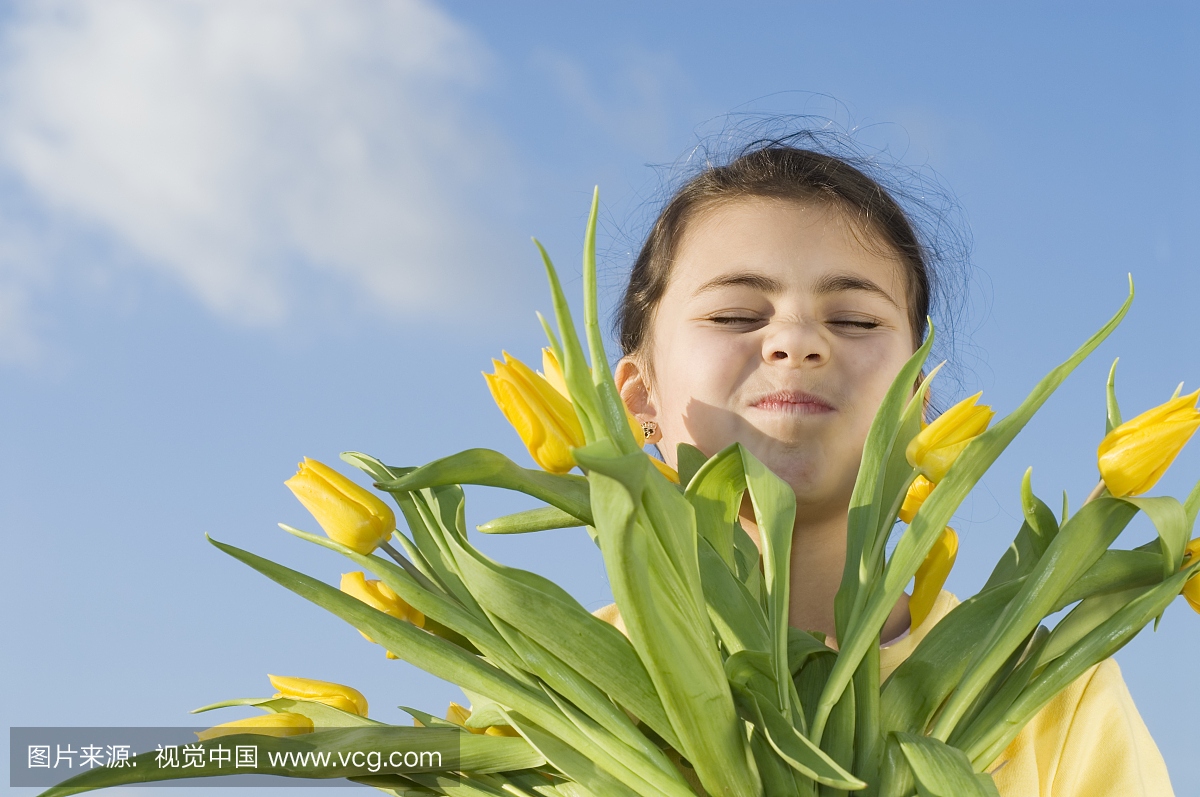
(772, 304)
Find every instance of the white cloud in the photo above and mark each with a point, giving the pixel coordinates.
(235, 144)
(637, 102)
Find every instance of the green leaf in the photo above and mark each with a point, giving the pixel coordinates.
(690, 460)
(549, 615)
(774, 504)
(573, 763)
(919, 686)
(1170, 520)
(747, 559)
(433, 783)
(645, 764)
(1036, 532)
(1112, 418)
(427, 719)
(430, 653)
(1006, 685)
(575, 367)
(914, 545)
(423, 513)
(612, 409)
(1100, 643)
(841, 730)
(1083, 619)
(663, 607)
(778, 778)
(1077, 547)
(1192, 507)
(943, 771)
(715, 493)
(476, 753)
(489, 468)
(801, 647)
(1114, 571)
(794, 748)
(474, 627)
(753, 670)
(541, 519)
(735, 614)
(864, 515)
(867, 747)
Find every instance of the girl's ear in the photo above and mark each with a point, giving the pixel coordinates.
(633, 384)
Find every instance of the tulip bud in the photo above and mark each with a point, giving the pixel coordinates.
(543, 417)
(338, 696)
(1135, 455)
(459, 716)
(380, 596)
(931, 576)
(936, 447)
(281, 723)
(349, 514)
(918, 491)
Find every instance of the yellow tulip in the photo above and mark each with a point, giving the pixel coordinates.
(380, 596)
(1191, 590)
(281, 723)
(934, 450)
(338, 696)
(931, 576)
(459, 716)
(1135, 455)
(916, 495)
(552, 371)
(348, 513)
(542, 416)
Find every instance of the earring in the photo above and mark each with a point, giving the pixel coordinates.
(649, 428)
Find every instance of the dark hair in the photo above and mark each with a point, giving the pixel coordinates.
(774, 169)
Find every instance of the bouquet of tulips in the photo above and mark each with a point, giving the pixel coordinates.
(710, 691)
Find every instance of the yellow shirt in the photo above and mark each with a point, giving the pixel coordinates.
(1089, 741)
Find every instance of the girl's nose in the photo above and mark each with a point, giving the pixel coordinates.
(796, 344)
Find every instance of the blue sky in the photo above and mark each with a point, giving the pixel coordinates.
(233, 234)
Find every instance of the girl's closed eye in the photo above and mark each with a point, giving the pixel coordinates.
(735, 319)
(856, 323)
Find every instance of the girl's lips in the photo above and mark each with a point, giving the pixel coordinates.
(793, 402)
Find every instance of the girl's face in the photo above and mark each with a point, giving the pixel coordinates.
(780, 330)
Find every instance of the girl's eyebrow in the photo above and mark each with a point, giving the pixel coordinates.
(829, 283)
(836, 283)
(743, 279)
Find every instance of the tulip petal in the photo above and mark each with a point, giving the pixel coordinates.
(931, 576)
(339, 696)
(916, 495)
